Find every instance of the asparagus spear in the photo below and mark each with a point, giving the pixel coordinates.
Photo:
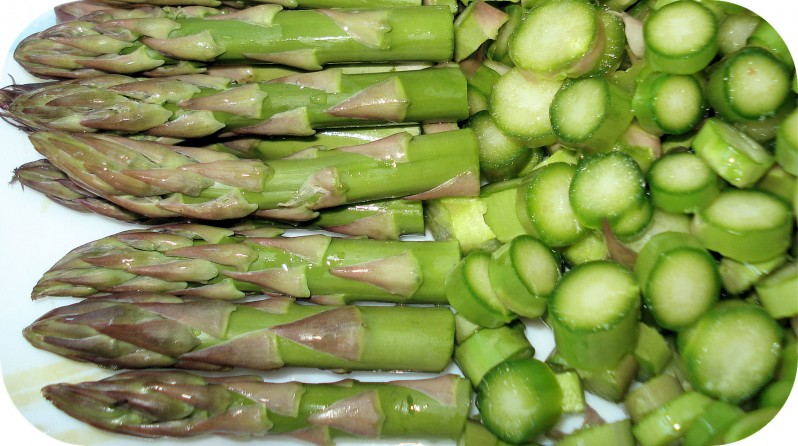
(139, 331)
(282, 147)
(67, 12)
(307, 39)
(91, 11)
(382, 220)
(181, 404)
(285, 3)
(43, 177)
(162, 181)
(248, 73)
(197, 106)
(219, 263)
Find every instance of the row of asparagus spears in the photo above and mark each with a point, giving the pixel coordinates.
(162, 123)
(228, 123)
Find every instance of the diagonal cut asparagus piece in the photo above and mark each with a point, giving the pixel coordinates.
(162, 181)
(199, 105)
(156, 330)
(382, 220)
(181, 404)
(219, 263)
(307, 39)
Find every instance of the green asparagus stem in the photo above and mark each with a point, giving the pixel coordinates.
(91, 11)
(285, 3)
(219, 263)
(382, 220)
(248, 73)
(155, 330)
(180, 404)
(198, 106)
(100, 10)
(282, 147)
(307, 39)
(162, 181)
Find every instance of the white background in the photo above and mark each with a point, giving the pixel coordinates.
(29, 237)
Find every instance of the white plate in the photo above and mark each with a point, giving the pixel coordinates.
(35, 233)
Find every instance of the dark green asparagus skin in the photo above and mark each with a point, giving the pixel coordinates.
(199, 105)
(219, 263)
(307, 39)
(156, 330)
(162, 181)
(382, 220)
(180, 404)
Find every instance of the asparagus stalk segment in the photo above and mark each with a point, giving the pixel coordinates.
(282, 147)
(100, 10)
(198, 105)
(146, 330)
(162, 181)
(307, 39)
(218, 263)
(381, 220)
(45, 178)
(181, 404)
(92, 11)
(285, 3)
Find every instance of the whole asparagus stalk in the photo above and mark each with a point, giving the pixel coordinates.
(154, 330)
(220, 263)
(382, 220)
(162, 181)
(285, 3)
(198, 106)
(307, 39)
(92, 11)
(181, 404)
